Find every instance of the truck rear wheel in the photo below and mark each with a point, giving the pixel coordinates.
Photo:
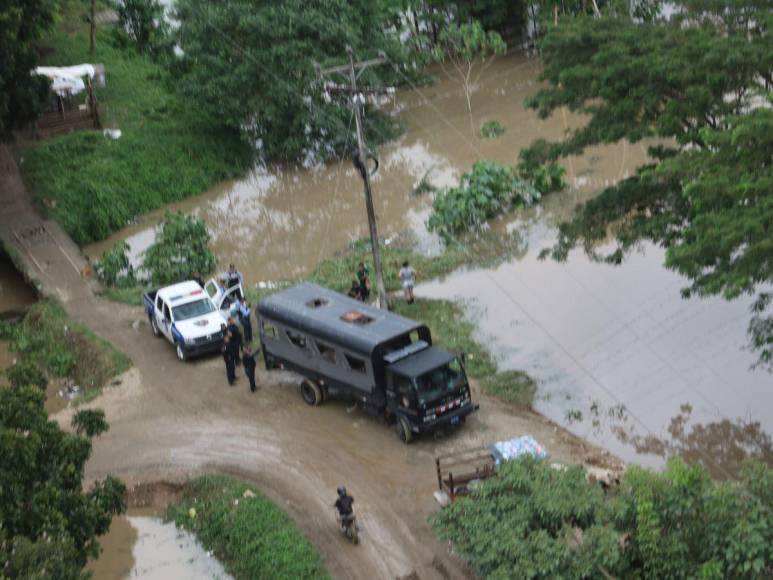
(311, 393)
(154, 327)
(404, 430)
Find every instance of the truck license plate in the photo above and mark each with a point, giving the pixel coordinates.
(455, 420)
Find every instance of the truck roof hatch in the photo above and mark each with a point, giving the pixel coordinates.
(412, 348)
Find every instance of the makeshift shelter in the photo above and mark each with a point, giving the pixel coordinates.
(73, 105)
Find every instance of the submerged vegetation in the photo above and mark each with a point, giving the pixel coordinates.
(247, 532)
(492, 129)
(531, 520)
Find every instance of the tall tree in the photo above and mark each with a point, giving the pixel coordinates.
(48, 525)
(251, 64)
(701, 84)
(22, 23)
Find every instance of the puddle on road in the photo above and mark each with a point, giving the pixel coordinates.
(15, 293)
(139, 546)
(279, 222)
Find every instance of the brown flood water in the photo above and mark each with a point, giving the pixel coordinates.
(619, 357)
(279, 222)
(15, 293)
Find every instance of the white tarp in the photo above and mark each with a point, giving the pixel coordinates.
(67, 80)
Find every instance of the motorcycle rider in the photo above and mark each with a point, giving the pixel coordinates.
(344, 506)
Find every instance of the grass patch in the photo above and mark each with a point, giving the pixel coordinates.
(131, 295)
(47, 338)
(251, 536)
(168, 150)
(514, 387)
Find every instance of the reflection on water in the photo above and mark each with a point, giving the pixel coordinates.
(607, 344)
(279, 222)
(146, 547)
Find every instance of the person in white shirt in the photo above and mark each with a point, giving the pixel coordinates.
(408, 277)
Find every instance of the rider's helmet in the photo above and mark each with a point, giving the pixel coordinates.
(341, 491)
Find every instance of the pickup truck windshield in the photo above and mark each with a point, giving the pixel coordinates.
(192, 309)
(439, 382)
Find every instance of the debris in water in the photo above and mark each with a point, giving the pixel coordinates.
(192, 513)
(248, 493)
(70, 391)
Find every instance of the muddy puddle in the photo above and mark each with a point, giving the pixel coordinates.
(279, 222)
(141, 545)
(16, 295)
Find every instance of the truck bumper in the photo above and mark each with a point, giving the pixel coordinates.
(453, 418)
(192, 350)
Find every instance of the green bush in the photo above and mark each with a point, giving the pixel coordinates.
(549, 178)
(533, 521)
(114, 267)
(515, 387)
(25, 373)
(492, 129)
(249, 534)
(143, 23)
(490, 189)
(181, 247)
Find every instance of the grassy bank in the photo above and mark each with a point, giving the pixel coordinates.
(248, 533)
(168, 150)
(62, 348)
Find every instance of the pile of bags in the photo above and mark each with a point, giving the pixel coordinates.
(516, 447)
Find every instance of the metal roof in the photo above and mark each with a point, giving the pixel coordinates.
(422, 362)
(319, 312)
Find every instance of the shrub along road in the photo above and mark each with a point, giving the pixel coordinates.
(169, 421)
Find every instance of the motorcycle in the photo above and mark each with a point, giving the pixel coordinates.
(348, 526)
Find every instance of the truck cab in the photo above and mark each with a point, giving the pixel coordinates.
(186, 316)
(426, 388)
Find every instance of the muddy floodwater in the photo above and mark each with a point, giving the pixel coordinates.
(15, 293)
(619, 357)
(279, 222)
(141, 546)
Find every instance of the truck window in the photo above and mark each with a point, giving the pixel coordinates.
(296, 338)
(402, 385)
(159, 303)
(193, 309)
(356, 364)
(327, 352)
(439, 382)
(167, 315)
(268, 329)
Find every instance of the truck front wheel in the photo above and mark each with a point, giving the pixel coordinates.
(181, 352)
(154, 327)
(311, 393)
(404, 430)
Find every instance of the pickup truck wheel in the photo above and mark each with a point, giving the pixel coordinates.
(181, 352)
(154, 327)
(404, 430)
(311, 393)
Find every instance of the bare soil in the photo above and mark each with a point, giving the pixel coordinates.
(171, 420)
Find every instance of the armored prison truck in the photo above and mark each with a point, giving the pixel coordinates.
(344, 347)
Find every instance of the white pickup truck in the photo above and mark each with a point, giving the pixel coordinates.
(190, 317)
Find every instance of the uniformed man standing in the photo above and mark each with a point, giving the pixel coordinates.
(244, 317)
(248, 360)
(230, 363)
(236, 338)
(233, 278)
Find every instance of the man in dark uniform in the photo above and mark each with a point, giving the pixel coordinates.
(248, 360)
(197, 278)
(230, 365)
(236, 338)
(244, 316)
(344, 506)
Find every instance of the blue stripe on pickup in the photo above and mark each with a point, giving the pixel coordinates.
(176, 336)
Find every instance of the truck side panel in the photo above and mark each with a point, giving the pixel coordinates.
(149, 298)
(321, 358)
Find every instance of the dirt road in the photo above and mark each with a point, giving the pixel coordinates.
(169, 420)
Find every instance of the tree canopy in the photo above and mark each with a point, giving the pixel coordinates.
(22, 23)
(48, 525)
(251, 64)
(700, 86)
(533, 521)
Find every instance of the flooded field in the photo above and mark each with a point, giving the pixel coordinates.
(619, 356)
(280, 222)
(141, 546)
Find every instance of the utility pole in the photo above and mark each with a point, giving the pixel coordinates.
(361, 160)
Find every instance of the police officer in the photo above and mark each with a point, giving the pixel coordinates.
(233, 277)
(236, 338)
(248, 360)
(230, 364)
(244, 318)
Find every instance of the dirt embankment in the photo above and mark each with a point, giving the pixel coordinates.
(170, 420)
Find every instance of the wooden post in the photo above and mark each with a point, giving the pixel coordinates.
(93, 26)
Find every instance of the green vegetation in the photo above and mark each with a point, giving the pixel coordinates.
(25, 373)
(533, 521)
(515, 387)
(169, 149)
(490, 189)
(114, 268)
(492, 129)
(22, 23)
(180, 248)
(248, 533)
(701, 85)
(49, 527)
(142, 23)
(60, 347)
(250, 64)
